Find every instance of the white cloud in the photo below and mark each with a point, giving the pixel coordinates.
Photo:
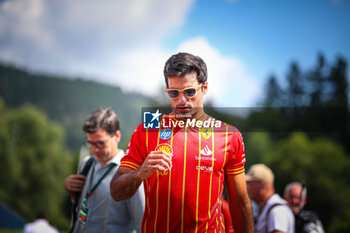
(230, 85)
(141, 69)
(70, 36)
(118, 42)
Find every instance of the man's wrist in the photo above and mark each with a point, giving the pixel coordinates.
(140, 174)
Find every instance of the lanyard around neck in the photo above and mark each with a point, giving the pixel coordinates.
(99, 181)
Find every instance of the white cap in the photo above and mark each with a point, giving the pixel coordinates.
(260, 172)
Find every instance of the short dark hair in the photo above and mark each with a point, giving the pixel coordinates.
(101, 118)
(178, 65)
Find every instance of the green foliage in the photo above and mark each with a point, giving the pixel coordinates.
(5, 159)
(274, 93)
(295, 91)
(341, 224)
(69, 101)
(10, 231)
(257, 147)
(323, 165)
(314, 101)
(323, 85)
(34, 164)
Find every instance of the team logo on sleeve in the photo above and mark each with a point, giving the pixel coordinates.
(167, 148)
(165, 134)
(151, 120)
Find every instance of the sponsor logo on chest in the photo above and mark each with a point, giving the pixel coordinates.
(204, 168)
(165, 134)
(206, 154)
(167, 148)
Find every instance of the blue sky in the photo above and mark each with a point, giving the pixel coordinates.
(268, 34)
(126, 43)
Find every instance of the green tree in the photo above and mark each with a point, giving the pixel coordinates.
(257, 147)
(295, 90)
(68, 100)
(36, 164)
(338, 79)
(314, 101)
(323, 165)
(339, 99)
(5, 159)
(274, 94)
(317, 79)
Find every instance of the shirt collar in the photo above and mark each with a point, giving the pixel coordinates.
(115, 160)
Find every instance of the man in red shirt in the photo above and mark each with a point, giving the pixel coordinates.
(185, 162)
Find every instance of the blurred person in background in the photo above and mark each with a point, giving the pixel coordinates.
(96, 210)
(306, 221)
(40, 225)
(274, 213)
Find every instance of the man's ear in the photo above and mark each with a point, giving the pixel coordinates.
(205, 88)
(118, 135)
(303, 202)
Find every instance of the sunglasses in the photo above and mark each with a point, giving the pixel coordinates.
(98, 144)
(190, 92)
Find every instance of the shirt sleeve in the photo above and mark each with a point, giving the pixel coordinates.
(137, 149)
(281, 219)
(236, 156)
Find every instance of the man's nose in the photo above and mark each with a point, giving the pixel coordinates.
(94, 149)
(182, 98)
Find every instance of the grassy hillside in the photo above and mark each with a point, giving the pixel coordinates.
(69, 100)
